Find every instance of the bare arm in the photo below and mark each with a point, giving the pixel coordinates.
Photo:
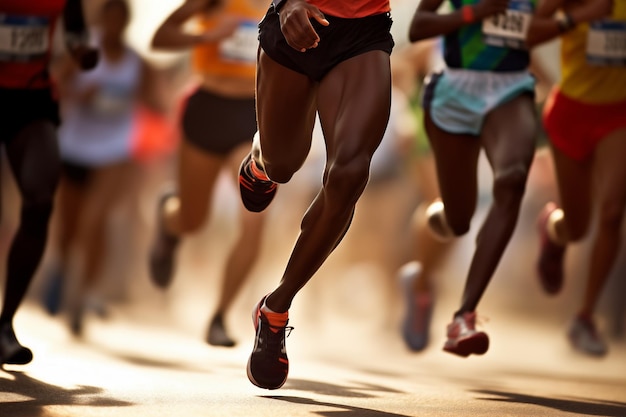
(428, 23)
(545, 26)
(171, 35)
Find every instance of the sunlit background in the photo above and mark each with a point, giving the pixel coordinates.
(149, 350)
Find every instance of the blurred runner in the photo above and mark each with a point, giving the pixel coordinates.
(482, 100)
(99, 117)
(416, 61)
(218, 123)
(29, 119)
(585, 119)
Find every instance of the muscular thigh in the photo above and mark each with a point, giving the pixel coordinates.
(285, 110)
(34, 158)
(509, 134)
(610, 170)
(353, 103)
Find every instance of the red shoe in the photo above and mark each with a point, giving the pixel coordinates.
(550, 263)
(464, 339)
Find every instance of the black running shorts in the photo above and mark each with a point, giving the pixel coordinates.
(218, 124)
(20, 107)
(341, 40)
(76, 173)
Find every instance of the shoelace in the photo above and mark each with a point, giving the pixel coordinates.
(274, 341)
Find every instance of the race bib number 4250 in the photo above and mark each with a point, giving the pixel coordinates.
(509, 30)
(606, 43)
(23, 38)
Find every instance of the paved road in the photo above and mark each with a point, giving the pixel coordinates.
(347, 359)
(134, 367)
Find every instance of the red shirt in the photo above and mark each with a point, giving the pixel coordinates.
(352, 8)
(26, 28)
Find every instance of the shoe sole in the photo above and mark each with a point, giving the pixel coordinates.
(477, 345)
(22, 357)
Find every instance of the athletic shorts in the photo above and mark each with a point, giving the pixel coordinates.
(218, 124)
(76, 173)
(20, 107)
(459, 100)
(575, 128)
(341, 40)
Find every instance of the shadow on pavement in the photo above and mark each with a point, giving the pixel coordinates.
(349, 410)
(39, 395)
(358, 390)
(577, 406)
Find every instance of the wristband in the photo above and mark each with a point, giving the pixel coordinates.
(278, 4)
(468, 14)
(565, 22)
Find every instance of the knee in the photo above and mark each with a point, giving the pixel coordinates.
(459, 227)
(280, 172)
(346, 181)
(509, 184)
(443, 225)
(35, 216)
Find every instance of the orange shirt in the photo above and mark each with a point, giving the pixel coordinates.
(351, 9)
(234, 56)
(26, 29)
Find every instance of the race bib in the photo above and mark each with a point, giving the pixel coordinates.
(242, 46)
(112, 100)
(606, 43)
(23, 38)
(509, 30)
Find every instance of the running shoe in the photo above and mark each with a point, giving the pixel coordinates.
(11, 351)
(418, 310)
(53, 292)
(463, 338)
(550, 263)
(217, 335)
(256, 194)
(584, 337)
(268, 365)
(163, 248)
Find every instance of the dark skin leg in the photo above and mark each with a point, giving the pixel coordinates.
(610, 172)
(456, 159)
(508, 138)
(34, 159)
(574, 185)
(353, 119)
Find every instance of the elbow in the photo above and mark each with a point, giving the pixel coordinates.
(419, 29)
(535, 37)
(416, 34)
(532, 41)
(159, 40)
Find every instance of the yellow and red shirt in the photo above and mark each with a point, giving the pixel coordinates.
(593, 60)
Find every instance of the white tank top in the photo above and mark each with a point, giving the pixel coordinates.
(100, 132)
